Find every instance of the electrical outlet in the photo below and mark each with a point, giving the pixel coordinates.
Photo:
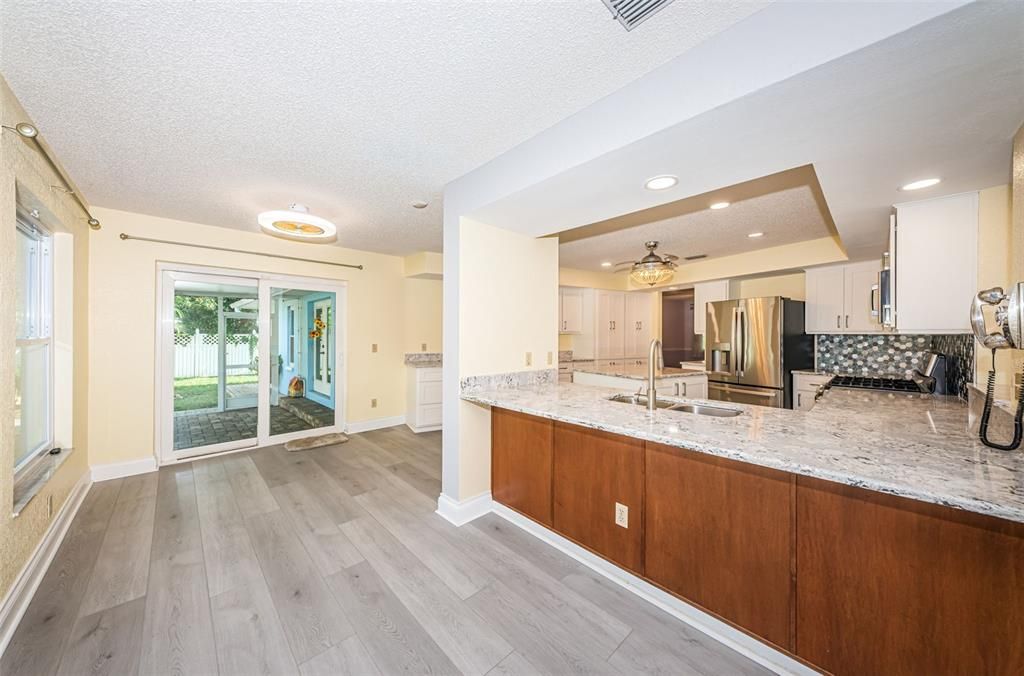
(621, 515)
(423, 347)
(373, 403)
(529, 359)
(550, 358)
(373, 348)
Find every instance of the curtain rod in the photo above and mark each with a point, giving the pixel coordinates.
(125, 237)
(29, 131)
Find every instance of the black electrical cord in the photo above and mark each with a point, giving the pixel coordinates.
(1018, 418)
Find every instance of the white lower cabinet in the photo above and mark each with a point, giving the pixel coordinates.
(689, 387)
(423, 399)
(805, 389)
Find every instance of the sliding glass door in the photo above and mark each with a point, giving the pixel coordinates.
(246, 361)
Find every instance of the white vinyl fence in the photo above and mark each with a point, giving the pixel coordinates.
(195, 355)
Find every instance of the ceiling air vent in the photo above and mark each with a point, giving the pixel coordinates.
(632, 13)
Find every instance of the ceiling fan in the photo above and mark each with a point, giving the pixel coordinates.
(653, 268)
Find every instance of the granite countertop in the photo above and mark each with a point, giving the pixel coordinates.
(423, 360)
(911, 445)
(637, 371)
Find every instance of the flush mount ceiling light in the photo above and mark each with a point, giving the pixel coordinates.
(755, 235)
(27, 130)
(663, 182)
(719, 205)
(419, 204)
(923, 183)
(297, 223)
(652, 269)
(606, 264)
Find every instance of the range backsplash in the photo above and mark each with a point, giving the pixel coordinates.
(896, 356)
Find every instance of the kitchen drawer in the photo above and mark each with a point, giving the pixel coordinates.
(429, 375)
(429, 393)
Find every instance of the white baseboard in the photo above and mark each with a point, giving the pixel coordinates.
(742, 643)
(24, 588)
(116, 470)
(428, 428)
(374, 424)
(460, 513)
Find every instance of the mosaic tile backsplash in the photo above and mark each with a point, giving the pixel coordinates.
(897, 356)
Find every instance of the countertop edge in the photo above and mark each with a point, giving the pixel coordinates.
(966, 504)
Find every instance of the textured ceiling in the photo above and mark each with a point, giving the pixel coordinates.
(214, 111)
(785, 217)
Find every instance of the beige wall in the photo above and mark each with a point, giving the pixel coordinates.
(593, 280)
(123, 290)
(25, 177)
(508, 306)
(995, 268)
(423, 300)
(787, 285)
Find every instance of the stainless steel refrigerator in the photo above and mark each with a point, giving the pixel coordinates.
(751, 348)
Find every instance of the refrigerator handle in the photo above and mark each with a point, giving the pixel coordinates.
(734, 345)
(741, 361)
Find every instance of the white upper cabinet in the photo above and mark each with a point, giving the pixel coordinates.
(843, 299)
(704, 293)
(570, 315)
(637, 333)
(610, 330)
(936, 264)
(824, 307)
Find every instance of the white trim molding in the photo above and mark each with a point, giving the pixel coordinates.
(461, 513)
(374, 424)
(25, 584)
(744, 644)
(116, 470)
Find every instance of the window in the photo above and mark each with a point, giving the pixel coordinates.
(33, 347)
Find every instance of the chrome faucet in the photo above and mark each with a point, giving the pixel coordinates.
(655, 360)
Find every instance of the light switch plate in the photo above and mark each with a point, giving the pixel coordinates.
(529, 359)
(621, 515)
(373, 403)
(550, 358)
(423, 347)
(373, 347)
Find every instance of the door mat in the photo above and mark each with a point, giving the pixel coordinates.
(315, 442)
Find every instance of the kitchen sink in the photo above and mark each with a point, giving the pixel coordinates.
(699, 409)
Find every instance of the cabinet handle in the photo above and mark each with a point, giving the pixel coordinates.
(799, 399)
(837, 321)
(847, 321)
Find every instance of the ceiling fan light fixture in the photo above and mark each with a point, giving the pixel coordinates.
(296, 223)
(653, 269)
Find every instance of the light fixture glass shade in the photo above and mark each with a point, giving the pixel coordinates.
(298, 224)
(653, 273)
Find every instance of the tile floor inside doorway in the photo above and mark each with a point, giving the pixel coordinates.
(329, 561)
(202, 428)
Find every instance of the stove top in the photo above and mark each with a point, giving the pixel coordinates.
(869, 383)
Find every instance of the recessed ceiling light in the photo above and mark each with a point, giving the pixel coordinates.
(719, 205)
(755, 234)
(606, 264)
(419, 204)
(296, 222)
(661, 182)
(923, 183)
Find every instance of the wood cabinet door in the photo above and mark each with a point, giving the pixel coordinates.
(720, 534)
(892, 586)
(593, 471)
(521, 460)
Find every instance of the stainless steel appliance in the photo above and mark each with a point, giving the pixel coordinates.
(872, 383)
(752, 347)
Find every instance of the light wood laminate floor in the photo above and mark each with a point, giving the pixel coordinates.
(329, 561)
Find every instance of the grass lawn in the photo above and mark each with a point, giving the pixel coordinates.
(195, 393)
